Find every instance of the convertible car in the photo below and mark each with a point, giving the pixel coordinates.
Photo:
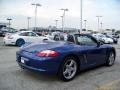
(66, 58)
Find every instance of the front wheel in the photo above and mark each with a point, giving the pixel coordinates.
(110, 59)
(68, 69)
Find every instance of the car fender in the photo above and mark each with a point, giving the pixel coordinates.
(80, 57)
(109, 50)
(71, 55)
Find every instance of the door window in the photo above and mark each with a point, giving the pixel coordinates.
(85, 40)
(27, 34)
(24, 34)
(31, 34)
(70, 39)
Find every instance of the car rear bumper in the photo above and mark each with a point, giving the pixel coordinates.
(42, 65)
(31, 68)
(9, 41)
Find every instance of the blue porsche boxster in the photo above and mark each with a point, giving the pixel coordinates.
(66, 58)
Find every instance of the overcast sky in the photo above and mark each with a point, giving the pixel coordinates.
(19, 10)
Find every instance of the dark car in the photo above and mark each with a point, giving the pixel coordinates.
(115, 39)
(114, 35)
(65, 59)
(2, 33)
(6, 30)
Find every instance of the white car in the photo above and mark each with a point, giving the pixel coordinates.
(52, 35)
(23, 37)
(103, 38)
(57, 35)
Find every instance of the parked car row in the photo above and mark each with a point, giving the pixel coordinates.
(23, 37)
(104, 38)
(6, 30)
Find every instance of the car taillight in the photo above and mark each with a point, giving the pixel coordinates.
(47, 53)
(10, 37)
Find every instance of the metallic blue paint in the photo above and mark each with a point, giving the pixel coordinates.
(88, 56)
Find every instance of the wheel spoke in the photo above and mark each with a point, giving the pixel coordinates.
(65, 72)
(67, 66)
(69, 69)
(72, 68)
(71, 63)
(69, 73)
(111, 59)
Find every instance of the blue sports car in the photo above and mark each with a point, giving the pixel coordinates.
(66, 58)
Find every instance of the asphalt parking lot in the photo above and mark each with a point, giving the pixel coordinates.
(14, 78)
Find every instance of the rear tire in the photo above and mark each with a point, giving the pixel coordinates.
(110, 59)
(20, 42)
(68, 69)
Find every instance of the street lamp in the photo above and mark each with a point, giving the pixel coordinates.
(101, 25)
(28, 18)
(36, 5)
(85, 25)
(98, 21)
(56, 21)
(62, 22)
(64, 10)
(9, 19)
(81, 15)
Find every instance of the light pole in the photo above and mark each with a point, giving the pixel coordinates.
(62, 22)
(9, 19)
(36, 5)
(81, 15)
(64, 10)
(56, 21)
(101, 26)
(98, 21)
(85, 21)
(28, 18)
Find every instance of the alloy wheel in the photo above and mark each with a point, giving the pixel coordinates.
(69, 69)
(111, 59)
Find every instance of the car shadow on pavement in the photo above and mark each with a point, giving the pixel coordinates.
(95, 70)
(49, 77)
(37, 76)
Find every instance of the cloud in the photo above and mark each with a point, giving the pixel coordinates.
(49, 11)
